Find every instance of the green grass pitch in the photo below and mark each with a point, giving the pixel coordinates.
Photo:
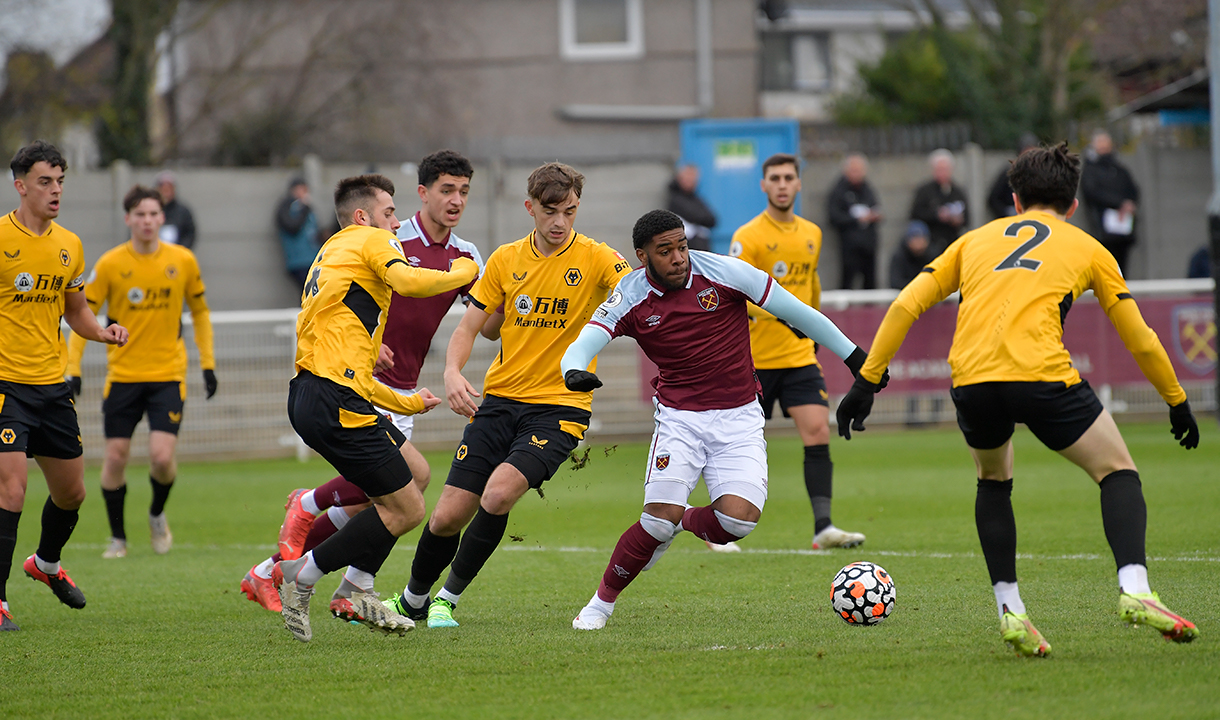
(701, 636)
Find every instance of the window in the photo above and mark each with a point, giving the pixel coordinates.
(601, 29)
(796, 61)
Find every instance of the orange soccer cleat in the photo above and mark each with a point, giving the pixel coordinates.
(261, 591)
(296, 527)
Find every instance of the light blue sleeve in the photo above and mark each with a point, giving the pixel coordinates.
(785, 306)
(582, 350)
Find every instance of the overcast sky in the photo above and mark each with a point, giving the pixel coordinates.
(58, 27)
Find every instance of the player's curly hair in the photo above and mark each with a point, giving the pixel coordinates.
(651, 224)
(443, 162)
(138, 194)
(37, 151)
(358, 192)
(1046, 176)
(551, 183)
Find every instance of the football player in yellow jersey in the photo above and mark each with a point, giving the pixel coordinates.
(549, 283)
(1018, 277)
(144, 283)
(787, 246)
(42, 273)
(331, 400)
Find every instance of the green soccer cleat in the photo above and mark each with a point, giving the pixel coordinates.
(1147, 609)
(402, 607)
(440, 614)
(1020, 633)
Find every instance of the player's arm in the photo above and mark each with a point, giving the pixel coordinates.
(491, 328)
(201, 319)
(458, 391)
(389, 264)
(95, 295)
(387, 399)
(84, 323)
(574, 366)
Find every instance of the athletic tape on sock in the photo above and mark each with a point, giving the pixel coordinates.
(733, 526)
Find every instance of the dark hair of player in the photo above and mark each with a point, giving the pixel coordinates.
(1046, 176)
(552, 183)
(139, 194)
(652, 224)
(37, 151)
(358, 192)
(781, 159)
(443, 162)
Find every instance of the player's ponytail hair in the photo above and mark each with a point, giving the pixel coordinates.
(1046, 176)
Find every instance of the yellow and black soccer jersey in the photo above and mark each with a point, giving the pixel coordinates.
(145, 294)
(547, 301)
(1018, 277)
(35, 272)
(344, 304)
(788, 252)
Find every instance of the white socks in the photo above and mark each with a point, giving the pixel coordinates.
(51, 569)
(415, 601)
(308, 575)
(309, 505)
(338, 516)
(263, 569)
(1133, 579)
(448, 596)
(359, 578)
(1006, 594)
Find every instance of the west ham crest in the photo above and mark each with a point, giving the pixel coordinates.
(1194, 336)
(709, 299)
(662, 461)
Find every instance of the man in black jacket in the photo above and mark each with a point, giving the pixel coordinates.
(1110, 196)
(999, 200)
(941, 203)
(179, 227)
(854, 212)
(683, 202)
(911, 256)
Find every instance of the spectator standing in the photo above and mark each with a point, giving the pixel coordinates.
(854, 212)
(941, 203)
(1200, 264)
(1110, 196)
(999, 200)
(911, 256)
(297, 227)
(697, 217)
(179, 226)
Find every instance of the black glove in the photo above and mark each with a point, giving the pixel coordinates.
(855, 362)
(794, 330)
(581, 381)
(1183, 426)
(855, 406)
(74, 384)
(209, 382)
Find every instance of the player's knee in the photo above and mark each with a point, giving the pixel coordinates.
(422, 478)
(162, 466)
(12, 494)
(117, 456)
(69, 498)
(659, 528)
(404, 514)
(734, 526)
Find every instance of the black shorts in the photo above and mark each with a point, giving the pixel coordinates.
(125, 403)
(349, 432)
(39, 420)
(792, 387)
(535, 439)
(1055, 413)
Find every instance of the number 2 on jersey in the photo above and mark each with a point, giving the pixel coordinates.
(1017, 259)
(311, 287)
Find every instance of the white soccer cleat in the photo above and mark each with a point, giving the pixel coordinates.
(590, 619)
(116, 549)
(833, 537)
(728, 547)
(295, 601)
(366, 608)
(162, 538)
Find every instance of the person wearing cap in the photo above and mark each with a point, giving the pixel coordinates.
(297, 227)
(911, 255)
(179, 226)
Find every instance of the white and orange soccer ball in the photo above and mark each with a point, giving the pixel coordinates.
(862, 594)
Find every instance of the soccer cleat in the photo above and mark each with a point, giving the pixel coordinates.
(399, 605)
(1147, 609)
(158, 530)
(1020, 633)
(440, 614)
(366, 608)
(6, 621)
(296, 527)
(728, 547)
(261, 591)
(60, 584)
(116, 549)
(589, 619)
(294, 604)
(833, 537)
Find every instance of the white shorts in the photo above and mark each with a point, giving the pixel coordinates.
(726, 446)
(404, 423)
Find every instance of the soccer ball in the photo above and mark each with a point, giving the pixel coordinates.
(862, 594)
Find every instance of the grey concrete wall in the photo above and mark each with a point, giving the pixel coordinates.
(241, 260)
